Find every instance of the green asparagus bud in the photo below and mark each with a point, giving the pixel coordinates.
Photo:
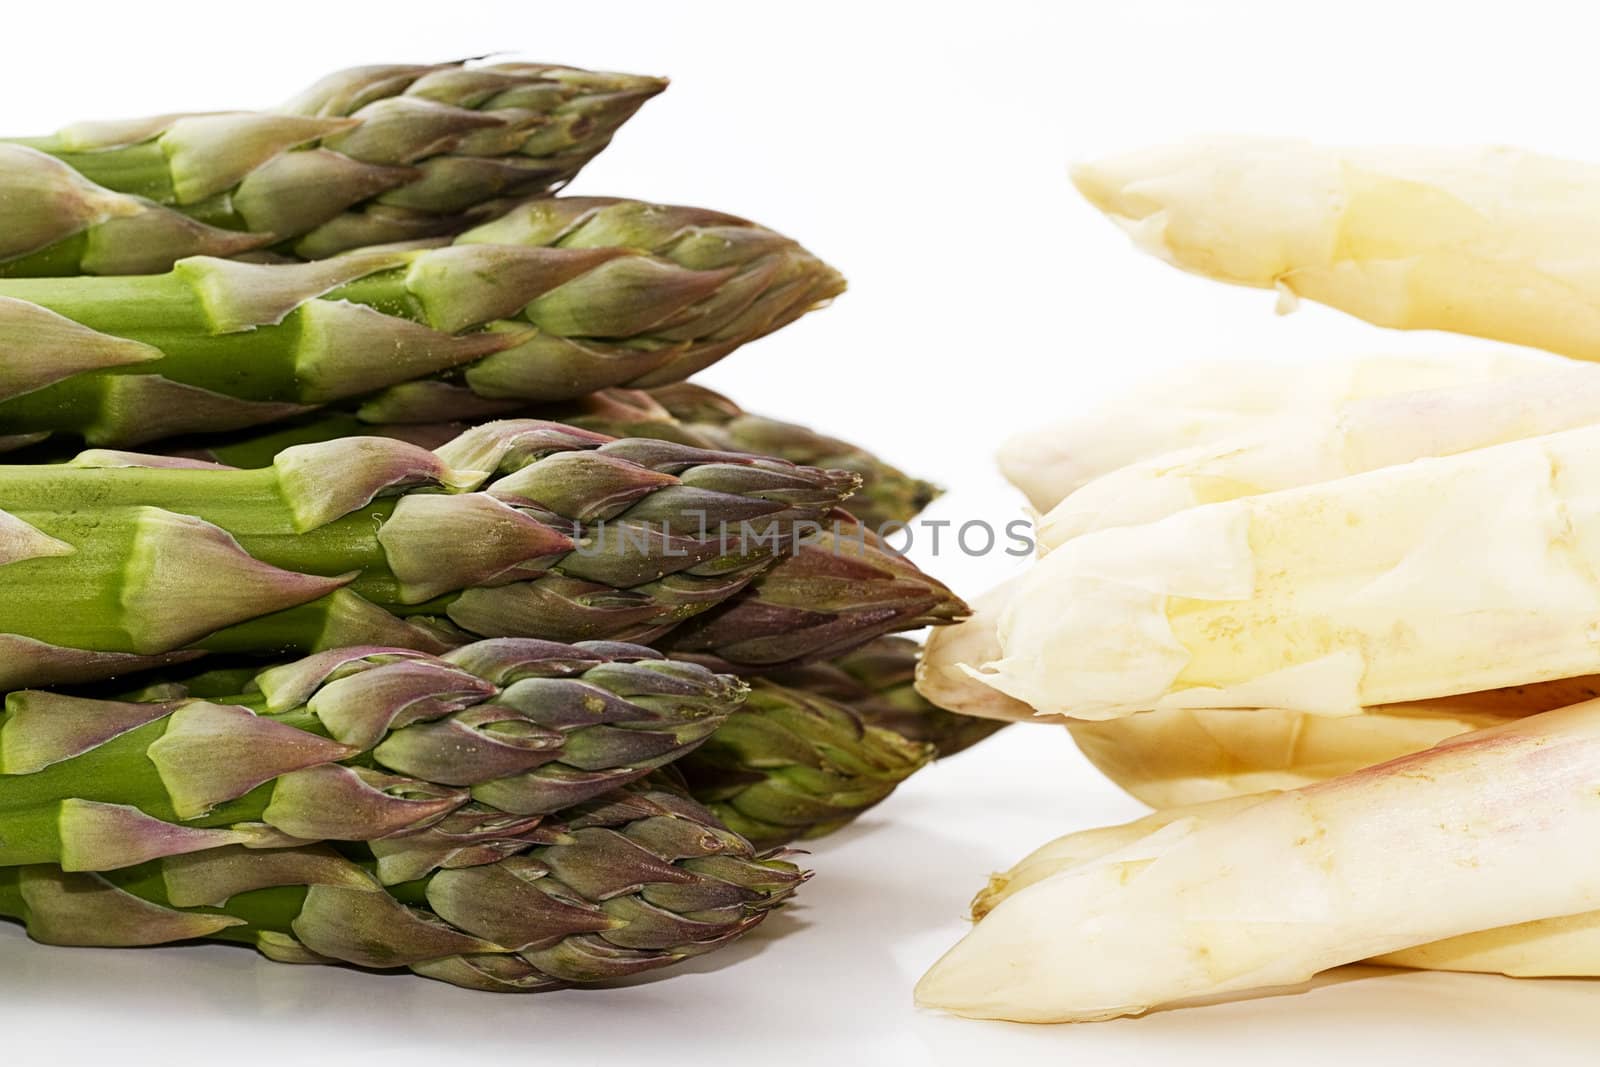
(580, 295)
(792, 765)
(844, 587)
(876, 681)
(887, 493)
(433, 412)
(368, 156)
(117, 562)
(356, 744)
(638, 880)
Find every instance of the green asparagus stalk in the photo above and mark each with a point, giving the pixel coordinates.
(356, 744)
(876, 681)
(792, 765)
(686, 413)
(367, 156)
(116, 562)
(555, 300)
(634, 881)
(843, 587)
(111, 233)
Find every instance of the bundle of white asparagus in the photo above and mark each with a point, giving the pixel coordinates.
(1339, 622)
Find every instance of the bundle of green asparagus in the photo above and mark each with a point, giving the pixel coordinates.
(350, 665)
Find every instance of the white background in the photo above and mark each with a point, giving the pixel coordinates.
(922, 149)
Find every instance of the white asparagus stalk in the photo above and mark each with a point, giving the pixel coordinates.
(1082, 847)
(1492, 242)
(1481, 832)
(1564, 947)
(1174, 758)
(1182, 756)
(1185, 756)
(1309, 447)
(1472, 572)
(1200, 402)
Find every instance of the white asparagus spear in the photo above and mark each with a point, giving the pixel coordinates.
(1202, 401)
(1309, 447)
(1185, 756)
(1182, 756)
(1472, 572)
(1493, 242)
(1082, 847)
(1484, 831)
(1567, 946)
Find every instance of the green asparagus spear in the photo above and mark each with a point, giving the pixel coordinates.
(356, 744)
(633, 881)
(843, 587)
(876, 682)
(555, 300)
(115, 563)
(792, 765)
(686, 413)
(367, 156)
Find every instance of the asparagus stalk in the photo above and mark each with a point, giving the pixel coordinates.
(553, 301)
(1428, 847)
(367, 156)
(1351, 438)
(1566, 946)
(1203, 402)
(111, 233)
(876, 682)
(886, 495)
(1182, 756)
(357, 744)
(792, 765)
(631, 882)
(1291, 599)
(439, 412)
(821, 743)
(1472, 240)
(843, 587)
(1188, 756)
(114, 562)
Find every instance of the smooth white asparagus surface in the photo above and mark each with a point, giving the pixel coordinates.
(1304, 448)
(1483, 831)
(1085, 846)
(1492, 242)
(1471, 572)
(1564, 947)
(1185, 756)
(1207, 400)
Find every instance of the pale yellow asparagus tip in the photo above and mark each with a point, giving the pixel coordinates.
(1492, 242)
